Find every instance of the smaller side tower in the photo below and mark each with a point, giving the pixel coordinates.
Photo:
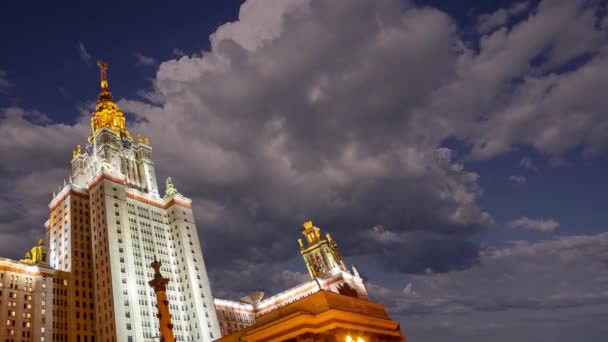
(159, 284)
(321, 254)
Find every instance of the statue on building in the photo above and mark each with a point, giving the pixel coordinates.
(347, 290)
(170, 188)
(36, 254)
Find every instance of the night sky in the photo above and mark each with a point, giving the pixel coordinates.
(456, 150)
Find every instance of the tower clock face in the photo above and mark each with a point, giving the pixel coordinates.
(126, 143)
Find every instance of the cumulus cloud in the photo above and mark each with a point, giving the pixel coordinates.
(536, 266)
(34, 169)
(83, 53)
(521, 88)
(548, 225)
(143, 60)
(267, 277)
(518, 179)
(178, 52)
(348, 155)
(488, 22)
(383, 235)
(408, 291)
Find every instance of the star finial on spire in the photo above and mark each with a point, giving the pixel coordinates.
(105, 94)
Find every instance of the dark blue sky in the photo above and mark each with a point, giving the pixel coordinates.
(41, 46)
(48, 60)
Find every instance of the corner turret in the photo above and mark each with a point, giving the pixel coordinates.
(321, 254)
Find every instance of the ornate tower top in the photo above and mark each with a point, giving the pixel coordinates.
(321, 254)
(107, 113)
(312, 233)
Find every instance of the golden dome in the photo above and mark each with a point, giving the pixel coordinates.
(107, 113)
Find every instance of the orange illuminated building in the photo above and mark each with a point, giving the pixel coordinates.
(323, 316)
(333, 306)
(327, 271)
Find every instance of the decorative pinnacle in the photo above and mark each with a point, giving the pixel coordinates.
(307, 224)
(105, 94)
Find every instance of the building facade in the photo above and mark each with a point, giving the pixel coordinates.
(106, 226)
(324, 316)
(326, 268)
(26, 297)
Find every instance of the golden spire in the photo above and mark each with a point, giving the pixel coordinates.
(105, 94)
(107, 113)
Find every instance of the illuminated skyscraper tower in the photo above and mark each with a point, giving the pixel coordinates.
(107, 224)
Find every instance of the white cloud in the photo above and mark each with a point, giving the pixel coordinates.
(383, 235)
(24, 199)
(547, 225)
(527, 163)
(518, 179)
(525, 276)
(145, 60)
(259, 21)
(520, 87)
(489, 22)
(83, 53)
(178, 52)
(245, 110)
(408, 291)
